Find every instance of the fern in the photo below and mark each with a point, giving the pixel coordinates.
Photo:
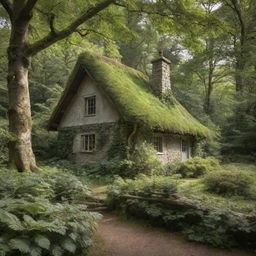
(42, 241)
(21, 244)
(34, 219)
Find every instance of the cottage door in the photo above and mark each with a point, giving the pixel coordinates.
(184, 150)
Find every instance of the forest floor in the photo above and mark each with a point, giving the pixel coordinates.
(117, 236)
(122, 237)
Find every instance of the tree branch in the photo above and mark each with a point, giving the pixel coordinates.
(52, 38)
(83, 32)
(8, 7)
(29, 7)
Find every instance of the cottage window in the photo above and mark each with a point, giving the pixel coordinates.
(185, 149)
(88, 142)
(90, 106)
(184, 146)
(158, 143)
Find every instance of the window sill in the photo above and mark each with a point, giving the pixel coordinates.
(90, 115)
(159, 153)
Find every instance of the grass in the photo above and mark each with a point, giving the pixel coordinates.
(194, 189)
(240, 167)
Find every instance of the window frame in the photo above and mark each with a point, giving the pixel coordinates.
(160, 147)
(185, 143)
(86, 107)
(82, 141)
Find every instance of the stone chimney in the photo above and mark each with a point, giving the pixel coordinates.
(160, 78)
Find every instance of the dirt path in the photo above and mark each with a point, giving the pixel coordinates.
(116, 237)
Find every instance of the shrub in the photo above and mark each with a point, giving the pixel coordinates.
(143, 185)
(199, 220)
(142, 161)
(195, 167)
(40, 214)
(230, 183)
(145, 159)
(5, 137)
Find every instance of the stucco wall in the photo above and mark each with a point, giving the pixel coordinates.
(75, 114)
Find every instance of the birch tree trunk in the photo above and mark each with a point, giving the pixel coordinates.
(21, 156)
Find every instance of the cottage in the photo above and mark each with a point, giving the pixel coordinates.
(108, 106)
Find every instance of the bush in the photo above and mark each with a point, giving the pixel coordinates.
(195, 167)
(145, 159)
(143, 185)
(199, 220)
(231, 183)
(5, 137)
(40, 214)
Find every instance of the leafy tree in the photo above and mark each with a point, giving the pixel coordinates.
(24, 16)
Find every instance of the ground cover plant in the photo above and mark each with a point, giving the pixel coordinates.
(229, 183)
(188, 208)
(44, 214)
(194, 167)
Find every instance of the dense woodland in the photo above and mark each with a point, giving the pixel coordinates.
(212, 48)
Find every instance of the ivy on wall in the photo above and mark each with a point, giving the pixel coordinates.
(104, 132)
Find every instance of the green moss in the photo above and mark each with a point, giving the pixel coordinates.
(130, 91)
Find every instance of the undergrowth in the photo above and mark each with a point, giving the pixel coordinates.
(44, 214)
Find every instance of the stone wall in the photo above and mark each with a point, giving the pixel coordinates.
(171, 148)
(104, 134)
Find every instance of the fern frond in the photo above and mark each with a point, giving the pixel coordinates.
(21, 244)
(42, 241)
(69, 245)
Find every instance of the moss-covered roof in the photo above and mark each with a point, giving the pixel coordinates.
(130, 90)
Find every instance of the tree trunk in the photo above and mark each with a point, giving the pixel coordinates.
(21, 156)
(239, 76)
(211, 67)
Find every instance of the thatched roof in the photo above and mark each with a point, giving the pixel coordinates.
(130, 91)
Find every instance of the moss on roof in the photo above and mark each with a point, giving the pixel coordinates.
(130, 90)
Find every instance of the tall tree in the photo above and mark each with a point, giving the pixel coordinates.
(20, 53)
(240, 17)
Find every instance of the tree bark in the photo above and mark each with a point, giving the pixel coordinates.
(21, 156)
(211, 67)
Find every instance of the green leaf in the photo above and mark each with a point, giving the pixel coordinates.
(68, 245)
(11, 220)
(36, 251)
(42, 241)
(21, 244)
(57, 251)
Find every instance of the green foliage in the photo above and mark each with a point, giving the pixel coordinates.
(239, 132)
(195, 167)
(197, 218)
(40, 214)
(229, 183)
(5, 138)
(145, 159)
(65, 142)
(144, 186)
